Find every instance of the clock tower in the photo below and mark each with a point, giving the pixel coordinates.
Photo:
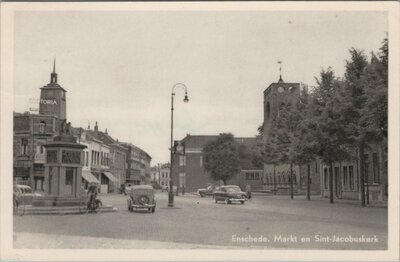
(53, 98)
(276, 96)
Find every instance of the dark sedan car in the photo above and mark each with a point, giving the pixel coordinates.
(230, 194)
(207, 191)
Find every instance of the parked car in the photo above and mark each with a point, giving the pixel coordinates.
(209, 191)
(141, 197)
(24, 194)
(229, 194)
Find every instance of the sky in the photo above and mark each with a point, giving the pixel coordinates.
(119, 67)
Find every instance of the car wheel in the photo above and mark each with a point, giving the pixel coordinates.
(242, 202)
(216, 200)
(201, 195)
(227, 201)
(153, 210)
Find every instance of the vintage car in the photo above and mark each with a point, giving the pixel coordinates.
(209, 191)
(23, 195)
(230, 194)
(141, 198)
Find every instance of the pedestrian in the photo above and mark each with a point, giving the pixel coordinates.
(248, 191)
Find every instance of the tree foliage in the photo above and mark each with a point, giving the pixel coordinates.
(221, 158)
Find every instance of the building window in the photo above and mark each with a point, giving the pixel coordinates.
(337, 170)
(351, 177)
(182, 180)
(366, 169)
(345, 177)
(201, 161)
(39, 183)
(92, 157)
(375, 166)
(182, 160)
(24, 146)
(42, 127)
(326, 183)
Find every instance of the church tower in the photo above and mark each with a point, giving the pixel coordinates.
(276, 96)
(53, 98)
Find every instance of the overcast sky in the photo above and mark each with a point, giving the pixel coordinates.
(119, 67)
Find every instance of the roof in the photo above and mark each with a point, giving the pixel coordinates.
(199, 141)
(127, 145)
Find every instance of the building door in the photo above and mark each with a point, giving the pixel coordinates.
(67, 187)
(182, 180)
(104, 184)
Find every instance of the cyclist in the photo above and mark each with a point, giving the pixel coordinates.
(92, 193)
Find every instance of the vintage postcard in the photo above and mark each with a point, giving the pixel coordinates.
(244, 131)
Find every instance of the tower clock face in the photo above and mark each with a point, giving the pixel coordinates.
(280, 89)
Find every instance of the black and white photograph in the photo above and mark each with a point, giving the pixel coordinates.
(192, 130)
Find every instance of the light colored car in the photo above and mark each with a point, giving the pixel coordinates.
(24, 194)
(141, 197)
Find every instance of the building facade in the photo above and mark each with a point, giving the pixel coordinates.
(98, 162)
(106, 161)
(32, 131)
(164, 177)
(346, 176)
(138, 164)
(189, 173)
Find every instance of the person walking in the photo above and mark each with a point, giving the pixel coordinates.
(248, 191)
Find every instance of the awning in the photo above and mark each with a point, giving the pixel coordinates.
(89, 177)
(110, 176)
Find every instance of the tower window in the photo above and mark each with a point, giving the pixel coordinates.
(42, 127)
(268, 110)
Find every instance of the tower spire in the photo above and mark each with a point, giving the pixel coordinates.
(53, 76)
(280, 72)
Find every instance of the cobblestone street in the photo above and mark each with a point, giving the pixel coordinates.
(264, 222)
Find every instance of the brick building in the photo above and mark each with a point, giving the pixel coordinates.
(32, 131)
(277, 177)
(188, 170)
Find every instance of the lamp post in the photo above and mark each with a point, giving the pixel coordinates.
(186, 99)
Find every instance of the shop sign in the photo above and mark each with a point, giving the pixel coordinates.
(48, 102)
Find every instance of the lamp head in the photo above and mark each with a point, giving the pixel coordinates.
(186, 99)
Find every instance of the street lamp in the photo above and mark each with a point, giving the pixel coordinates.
(186, 99)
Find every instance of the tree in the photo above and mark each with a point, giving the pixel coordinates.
(365, 98)
(331, 130)
(221, 158)
(304, 146)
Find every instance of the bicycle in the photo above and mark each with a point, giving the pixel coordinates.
(18, 209)
(87, 206)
